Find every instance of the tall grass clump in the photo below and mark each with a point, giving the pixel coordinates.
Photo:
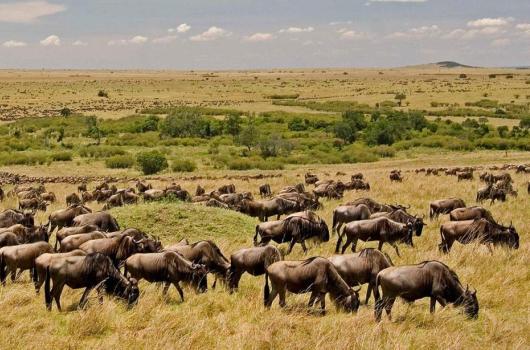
(124, 161)
(183, 165)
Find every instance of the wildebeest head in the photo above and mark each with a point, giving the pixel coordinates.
(28, 220)
(198, 278)
(132, 292)
(37, 234)
(470, 303)
(418, 226)
(351, 303)
(509, 236)
(408, 230)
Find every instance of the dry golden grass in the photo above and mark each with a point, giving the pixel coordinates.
(36, 93)
(219, 320)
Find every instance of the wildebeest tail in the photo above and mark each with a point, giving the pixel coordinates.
(256, 236)
(47, 293)
(388, 258)
(334, 224)
(2, 269)
(266, 290)
(376, 288)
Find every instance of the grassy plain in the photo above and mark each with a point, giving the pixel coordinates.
(219, 320)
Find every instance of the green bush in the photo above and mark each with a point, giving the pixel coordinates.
(61, 156)
(240, 164)
(183, 165)
(151, 162)
(100, 151)
(22, 158)
(120, 162)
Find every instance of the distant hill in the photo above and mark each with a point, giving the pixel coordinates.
(441, 64)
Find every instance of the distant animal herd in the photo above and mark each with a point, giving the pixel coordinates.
(90, 248)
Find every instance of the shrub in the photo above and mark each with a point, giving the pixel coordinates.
(151, 162)
(183, 165)
(100, 151)
(61, 156)
(240, 164)
(120, 162)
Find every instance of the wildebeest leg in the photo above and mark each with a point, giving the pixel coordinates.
(312, 299)
(83, 300)
(388, 307)
(396, 248)
(56, 292)
(339, 241)
(214, 281)
(181, 293)
(433, 304)
(235, 276)
(302, 243)
(166, 288)
(370, 287)
(489, 247)
(346, 244)
(272, 296)
(322, 298)
(354, 245)
(378, 309)
(291, 245)
(281, 294)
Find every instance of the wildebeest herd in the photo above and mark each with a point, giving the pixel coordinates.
(91, 251)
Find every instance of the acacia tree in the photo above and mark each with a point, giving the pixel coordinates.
(250, 135)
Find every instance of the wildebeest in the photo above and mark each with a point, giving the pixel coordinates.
(68, 231)
(297, 228)
(431, 279)
(74, 241)
(12, 217)
(82, 187)
(465, 175)
(470, 213)
(21, 257)
(142, 187)
(268, 229)
(87, 272)
(480, 230)
(380, 229)
(265, 208)
(167, 266)
(395, 175)
(48, 196)
(330, 190)
(44, 260)
(444, 206)
(225, 189)
(199, 191)
(399, 215)
(116, 200)
(360, 268)
(357, 184)
(374, 206)
(252, 260)
(357, 176)
(497, 194)
(265, 191)
(206, 253)
(103, 220)
(32, 204)
(9, 239)
(316, 275)
(310, 179)
(347, 213)
(117, 248)
(72, 199)
(65, 217)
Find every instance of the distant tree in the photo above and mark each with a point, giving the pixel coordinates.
(349, 127)
(151, 162)
(250, 135)
(525, 123)
(233, 125)
(273, 145)
(93, 130)
(400, 97)
(502, 130)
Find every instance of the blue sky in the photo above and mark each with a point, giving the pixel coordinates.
(222, 34)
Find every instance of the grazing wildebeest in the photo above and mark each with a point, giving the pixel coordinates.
(252, 260)
(82, 187)
(265, 208)
(74, 241)
(116, 200)
(347, 213)
(167, 266)
(484, 193)
(429, 279)
(68, 231)
(72, 199)
(403, 217)
(396, 176)
(142, 187)
(380, 229)
(480, 230)
(310, 179)
(360, 268)
(21, 257)
(12, 217)
(48, 196)
(265, 191)
(199, 191)
(153, 194)
(268, 229)
(104, 221)
(316, 275)
(374, 206)
(444, 206)
(357, 185)
(117, 248)
(297, 228)
(88, 272)
(497, 194)
(208, 254)
(465, 175)
(9, 239)
(32, 204)
(44, 260)
(225, 189)
(27, 234)
(470, 213)
(357, 176)
(65, 217)
(330, 190)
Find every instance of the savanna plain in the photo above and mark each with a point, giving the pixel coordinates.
(255, 127)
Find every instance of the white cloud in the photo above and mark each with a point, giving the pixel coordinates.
(14, 43)
(257, 37)
(297, 30)
(398, 0)
(523, 26)
(182, 28)
(336, 23)
(52, 40)
(27, 11)
(501, 42)
(139, 39)
(474, 33)
(165, 39)
(351, 34)
(79, 43)
(213, 33)
(490, 22)
(417, 33)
